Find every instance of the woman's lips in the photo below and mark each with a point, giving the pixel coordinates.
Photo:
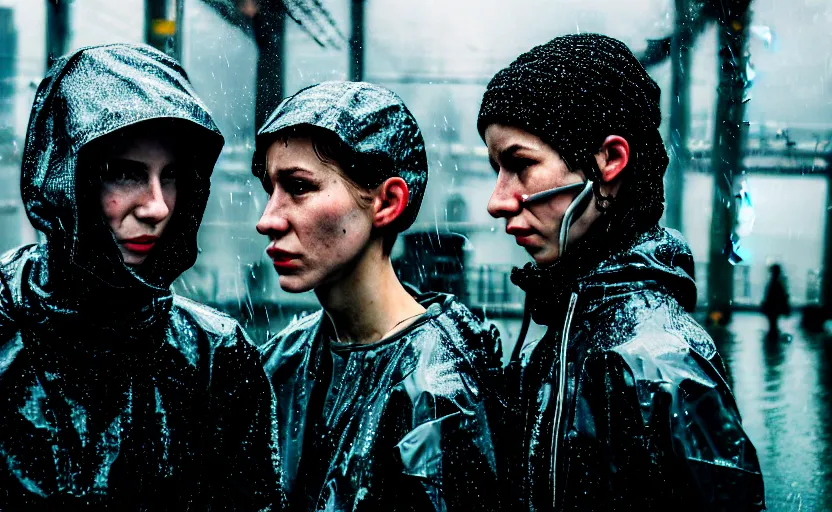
(140, 244)
(523, 237)
(283, 260)
(524, 241)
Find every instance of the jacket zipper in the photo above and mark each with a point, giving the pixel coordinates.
(561, 389)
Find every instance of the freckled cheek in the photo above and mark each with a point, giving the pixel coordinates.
(114, 208)
(337, 231)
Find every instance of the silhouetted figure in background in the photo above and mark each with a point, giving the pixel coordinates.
(776, 301)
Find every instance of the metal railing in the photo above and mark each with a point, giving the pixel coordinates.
(490, 285)
(485, 286)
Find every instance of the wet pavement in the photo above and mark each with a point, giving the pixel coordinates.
(783, 388)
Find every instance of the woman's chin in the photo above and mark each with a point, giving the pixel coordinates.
(294, 284)
(132, 260)
(545, 256)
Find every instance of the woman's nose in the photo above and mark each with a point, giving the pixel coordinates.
(273, 221)
(506, 199)
(155, 202)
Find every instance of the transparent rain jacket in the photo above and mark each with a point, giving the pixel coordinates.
(405, 427)
(115, 393)
(623, 404)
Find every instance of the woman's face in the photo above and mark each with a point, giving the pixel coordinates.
(138, 194)
(316, 226)
(526, 165)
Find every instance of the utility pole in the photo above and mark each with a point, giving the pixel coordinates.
(357, 40)
(269, 27)
(57, 30)
(265, 21)
(728, 149)
(8, 63)
(680, 57)
(179, 41)
(163, 25)
(11, 211)
(826, 273)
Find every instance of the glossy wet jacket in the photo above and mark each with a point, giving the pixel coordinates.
(623, 405)
(115, 393)
(397, 425)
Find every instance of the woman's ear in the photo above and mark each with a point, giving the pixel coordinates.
(613, 157)
(389, 202)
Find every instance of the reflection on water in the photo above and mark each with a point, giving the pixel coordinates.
(782, 386)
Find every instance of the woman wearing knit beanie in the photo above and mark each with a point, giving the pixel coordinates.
(623, 405)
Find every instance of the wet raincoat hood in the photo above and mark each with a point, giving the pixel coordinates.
(624, 403)
(401, 424)
(88, 95)
(115, 393)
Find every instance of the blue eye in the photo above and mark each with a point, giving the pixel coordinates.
(297, 186)
(518, 164)
(123, 172)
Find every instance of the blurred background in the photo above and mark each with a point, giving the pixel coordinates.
(747, 106)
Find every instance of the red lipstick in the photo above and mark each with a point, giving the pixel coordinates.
(523, 236)
(283, 260)
(140, 244)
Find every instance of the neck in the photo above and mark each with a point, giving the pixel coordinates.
(549, 287)
(367, 302)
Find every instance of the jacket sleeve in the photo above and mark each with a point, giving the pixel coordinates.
(243, 471)
(672, 443)
(446, 458)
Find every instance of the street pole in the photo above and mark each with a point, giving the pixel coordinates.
(179, 40)
(270, 35)
(826, 272)
(727, 157)
(680, 55)
(57, 30)
(357, 40)
(162, 26)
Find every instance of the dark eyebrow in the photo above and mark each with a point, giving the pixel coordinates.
(512, 150)
(289, 171)
(127, 161)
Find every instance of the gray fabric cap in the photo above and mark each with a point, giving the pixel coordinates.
(372, 121)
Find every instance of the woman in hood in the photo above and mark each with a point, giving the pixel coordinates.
(623, 405)
(382, 395)
(114, 392)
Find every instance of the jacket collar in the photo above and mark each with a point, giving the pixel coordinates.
(658, 259)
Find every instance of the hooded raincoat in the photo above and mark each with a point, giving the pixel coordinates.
(397, 425)
(623, 405)
(115, 393)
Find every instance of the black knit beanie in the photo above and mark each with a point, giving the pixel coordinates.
(573, 92)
